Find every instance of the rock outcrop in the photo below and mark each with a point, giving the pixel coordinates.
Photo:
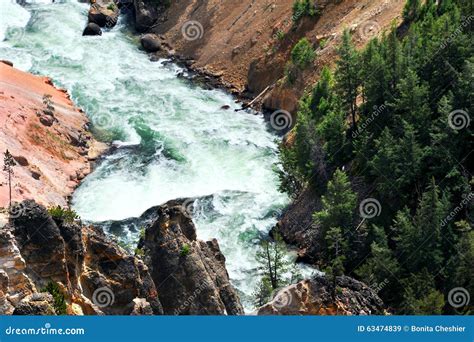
(318, 296)
(190, 274)
(93, 274)
(102, 13)
(46, 135)
(173, 272)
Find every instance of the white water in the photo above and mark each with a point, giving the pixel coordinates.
(176, 140)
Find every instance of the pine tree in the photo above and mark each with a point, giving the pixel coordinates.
(412, 10)
(272, 262)
(8, 164)
(338, 204)
(347, 75)
(381, 266)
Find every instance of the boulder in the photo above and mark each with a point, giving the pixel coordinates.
(191, 274)
(37, 304)
(92, 29)
(104, 15)
(317, 296)
(151, 42)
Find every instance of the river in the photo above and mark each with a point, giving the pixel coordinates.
(174, 139)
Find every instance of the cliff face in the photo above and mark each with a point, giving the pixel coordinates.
(51, 146)
(247, 44)
(95, 276)
(191, 274)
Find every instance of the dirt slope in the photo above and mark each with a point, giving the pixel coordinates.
(247, 43)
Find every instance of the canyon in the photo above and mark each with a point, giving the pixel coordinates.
(242, 47)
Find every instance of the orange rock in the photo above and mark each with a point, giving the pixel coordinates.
(50, 157)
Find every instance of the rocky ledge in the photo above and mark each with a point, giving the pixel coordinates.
(319, 296)
(51, 266)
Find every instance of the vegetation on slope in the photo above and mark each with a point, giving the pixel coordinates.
(395, 118)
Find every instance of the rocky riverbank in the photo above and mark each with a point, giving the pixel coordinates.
(51, 264)
(47, 136)
(245, 47)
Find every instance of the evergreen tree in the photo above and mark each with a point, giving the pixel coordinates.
(347, 75)
(412, 10)
(338, 204)
(8, 164)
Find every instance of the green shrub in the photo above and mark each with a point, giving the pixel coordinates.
(63, 214)
(280, 35)
(323, 43)
(303, 8)
(302, 54)
(185, 250)
(59, 301)
(111, 7)
(139, 252)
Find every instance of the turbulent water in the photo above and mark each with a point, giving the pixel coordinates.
(174, 139)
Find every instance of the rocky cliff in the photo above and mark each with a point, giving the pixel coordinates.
(319, 296)
(45, 259)
(191, 273)
(47, 137)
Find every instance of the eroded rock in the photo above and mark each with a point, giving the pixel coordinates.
(317, 296)
(191, 274)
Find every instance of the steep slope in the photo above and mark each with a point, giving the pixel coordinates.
(246, 44)
(51, 146)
